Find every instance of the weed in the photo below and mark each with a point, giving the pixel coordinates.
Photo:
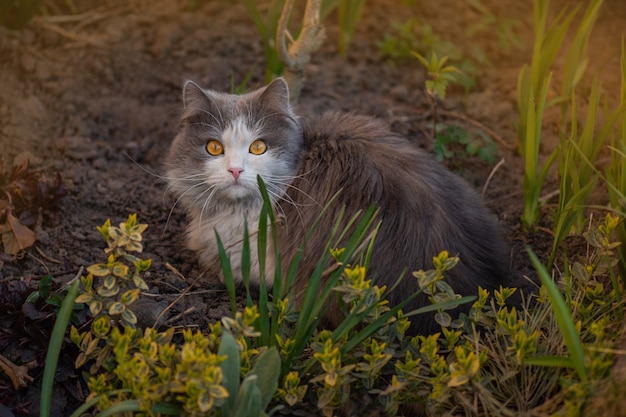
(504, 29)
(411, 36)
(440, 76)
(455, 143)
(267, 26)
(243, 85)
(348, 15)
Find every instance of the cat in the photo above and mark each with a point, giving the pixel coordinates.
(226, 140)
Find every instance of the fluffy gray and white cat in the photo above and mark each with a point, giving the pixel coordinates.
(226, 140)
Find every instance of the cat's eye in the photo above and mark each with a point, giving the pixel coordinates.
(258, 147)
(214, 148)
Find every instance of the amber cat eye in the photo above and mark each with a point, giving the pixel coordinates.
(258, 147)
(214, 148)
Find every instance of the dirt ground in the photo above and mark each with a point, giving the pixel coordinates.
(94, 96)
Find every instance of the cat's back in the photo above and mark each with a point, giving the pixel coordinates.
(424, 208)
(361, 156)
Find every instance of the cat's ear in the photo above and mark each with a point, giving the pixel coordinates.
(276, 95)
(196, 100)
(193, 96)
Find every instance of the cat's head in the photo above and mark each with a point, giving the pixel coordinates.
(226, 140)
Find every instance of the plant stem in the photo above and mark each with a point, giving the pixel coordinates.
(298, 55)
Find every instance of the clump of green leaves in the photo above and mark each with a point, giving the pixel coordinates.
(111, 287)
(440, 76)
(503, 28)
(454, 143)
(413, 36)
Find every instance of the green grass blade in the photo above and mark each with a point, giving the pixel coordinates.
(563, 317)
(575, 61)
(133, 405)
(54, 348)
(448, 305)
(316, 298)
(253, 11)
(91, 403)
(550, 361)
(268, 326)
(246, 263)
(227, 273)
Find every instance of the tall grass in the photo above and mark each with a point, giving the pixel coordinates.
(348, 15)
(576, 162)
(266, 25)
(532, 89)
(616, 172)
(355, 236)
(54, 348)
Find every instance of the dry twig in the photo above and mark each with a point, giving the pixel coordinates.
(18, 374)
(297, 56)
(491, 174)
(82, 39)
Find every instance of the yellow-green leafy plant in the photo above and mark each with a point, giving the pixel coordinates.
(440, 76)
(494, 360)
(142, 371)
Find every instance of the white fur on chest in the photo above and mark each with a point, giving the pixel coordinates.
(230, 227)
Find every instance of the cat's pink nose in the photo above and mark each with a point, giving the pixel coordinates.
(236, 172)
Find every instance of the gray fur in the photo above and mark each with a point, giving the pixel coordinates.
(424, 208)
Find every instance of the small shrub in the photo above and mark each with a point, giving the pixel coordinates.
(496, 360)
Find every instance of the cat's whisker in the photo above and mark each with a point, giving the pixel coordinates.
(206, 204)
(286, 198)
(178, 200)
(175, 182)
(143, 168)
(289, 185)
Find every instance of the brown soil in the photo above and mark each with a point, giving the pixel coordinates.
(95, 97)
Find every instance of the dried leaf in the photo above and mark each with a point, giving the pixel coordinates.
(18, 237)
